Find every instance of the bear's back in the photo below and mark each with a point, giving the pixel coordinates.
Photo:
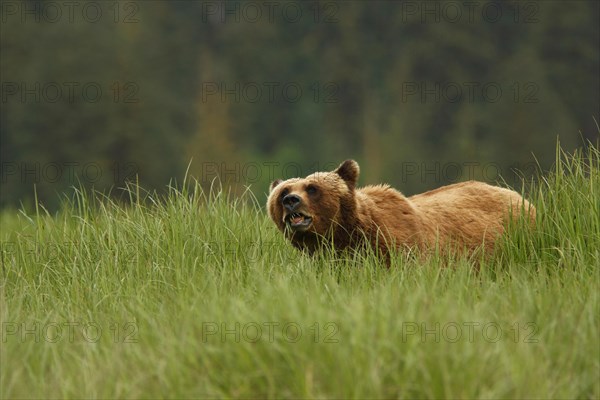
(470, 211)
(383, 209)
(471, 195)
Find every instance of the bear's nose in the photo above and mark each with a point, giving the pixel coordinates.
(291, 202)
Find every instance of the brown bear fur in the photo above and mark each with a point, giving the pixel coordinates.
(467, 215)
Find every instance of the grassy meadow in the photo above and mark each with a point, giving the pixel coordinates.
(197, 295)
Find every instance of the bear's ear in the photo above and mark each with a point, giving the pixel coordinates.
(348, 171)
(274, 184)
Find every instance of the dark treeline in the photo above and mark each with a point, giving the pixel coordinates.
(420, 93)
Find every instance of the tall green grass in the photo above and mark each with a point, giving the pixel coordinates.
(164, 297)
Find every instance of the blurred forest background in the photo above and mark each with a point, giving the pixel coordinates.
(420, 93)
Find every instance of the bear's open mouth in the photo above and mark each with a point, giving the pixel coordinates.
(298, 220)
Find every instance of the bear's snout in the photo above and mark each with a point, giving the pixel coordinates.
(291, 202)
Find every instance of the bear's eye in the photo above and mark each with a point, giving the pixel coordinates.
(310, 189)
(284, 193)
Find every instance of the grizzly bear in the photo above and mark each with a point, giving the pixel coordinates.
(328, 207)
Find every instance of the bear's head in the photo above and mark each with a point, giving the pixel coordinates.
(322, 204)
